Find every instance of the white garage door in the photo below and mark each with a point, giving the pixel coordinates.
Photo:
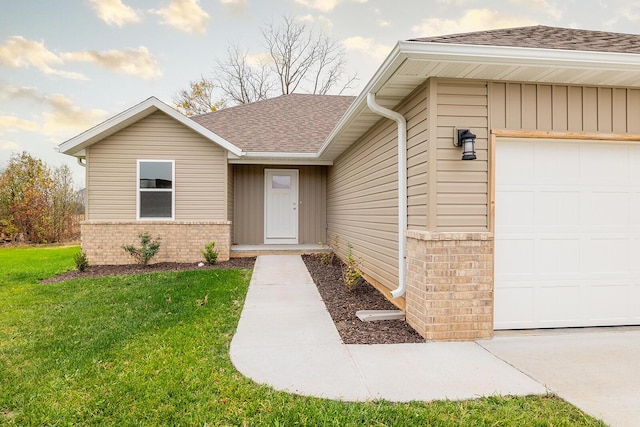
(567, 234)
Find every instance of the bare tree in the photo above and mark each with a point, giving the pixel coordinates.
(298, 59)
(303, 60)
(242, 82)
(198, 99)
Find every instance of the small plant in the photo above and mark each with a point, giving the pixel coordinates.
(81, 260)
(210, 254)
(147, 250)
(350, 274)
(327, 257)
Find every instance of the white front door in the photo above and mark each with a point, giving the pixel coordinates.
(567, 234)
(281, 206)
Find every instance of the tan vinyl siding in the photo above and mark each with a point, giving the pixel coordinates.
(230, 196)
(362, 192)
(248, 222)
(519, 106)
(461, 185)
(200, 171)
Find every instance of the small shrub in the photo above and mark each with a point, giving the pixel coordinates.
(147, 250)
(350, 274)
(210, 254)
(81, 260)
(327, 257)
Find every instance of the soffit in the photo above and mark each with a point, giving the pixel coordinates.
(412, 63)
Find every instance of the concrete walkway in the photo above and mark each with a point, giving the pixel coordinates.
(287, 339)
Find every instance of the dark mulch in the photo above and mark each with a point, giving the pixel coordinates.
(114, 270)
(342, 304)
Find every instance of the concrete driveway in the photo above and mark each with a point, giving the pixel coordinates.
(597, 370)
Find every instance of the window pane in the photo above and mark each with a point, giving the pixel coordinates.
(156, 175)
(155, 204)
(281, 182)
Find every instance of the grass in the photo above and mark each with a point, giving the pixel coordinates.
(153, 350)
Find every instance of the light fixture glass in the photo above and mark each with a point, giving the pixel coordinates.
(467, 141)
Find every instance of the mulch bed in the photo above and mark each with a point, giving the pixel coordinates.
(114, 270)
(341, 303)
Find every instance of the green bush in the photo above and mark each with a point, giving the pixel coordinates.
(81, 260)
(350, 273)
(147, 250)
(210, 254)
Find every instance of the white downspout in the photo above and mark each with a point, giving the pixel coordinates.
(402, 187)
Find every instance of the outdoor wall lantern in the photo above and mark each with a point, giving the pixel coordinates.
(465, 139)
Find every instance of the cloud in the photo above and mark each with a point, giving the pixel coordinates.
(368, 46)
(66, 117)
(258, 59)
(472, 20)
(114, 12)
(8, 146)
(18, 52)
(136, 62)
(60, 115)
(321, 20)
(383, 24)
(237, 6)
(325, 5)
(11, 123)
(185, 15)
(541, 5)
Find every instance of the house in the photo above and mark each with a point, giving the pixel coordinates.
(541, 230)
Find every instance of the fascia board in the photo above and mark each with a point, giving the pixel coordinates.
(110, 126)
(381, 76)
(483, 54)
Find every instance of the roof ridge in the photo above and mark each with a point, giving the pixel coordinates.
(273, 99)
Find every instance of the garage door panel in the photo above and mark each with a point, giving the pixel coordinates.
(557, 209)
(608, 303)
(517, 309)
(603, 164)
(520, 171)
(558, 165)
(558, 257)
(567, 235)
(514, 257)
(517, 210)
(557, 302)
(607, 256)
(609, 209)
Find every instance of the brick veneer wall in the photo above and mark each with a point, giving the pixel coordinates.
(180, 241)
(449, 294)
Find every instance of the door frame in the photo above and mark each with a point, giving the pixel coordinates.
(296, 180)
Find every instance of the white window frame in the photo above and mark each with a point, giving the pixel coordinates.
(173, 190)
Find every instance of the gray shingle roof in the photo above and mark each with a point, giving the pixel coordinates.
(544, 37)
(296, 123)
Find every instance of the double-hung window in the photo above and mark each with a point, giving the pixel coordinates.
(156, 189)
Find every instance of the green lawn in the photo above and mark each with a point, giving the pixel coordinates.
(148, 350)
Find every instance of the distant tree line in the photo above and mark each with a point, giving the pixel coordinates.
(38, 203)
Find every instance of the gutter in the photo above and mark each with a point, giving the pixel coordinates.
(402, 187)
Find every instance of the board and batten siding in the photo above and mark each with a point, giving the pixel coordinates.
(248, 209)
(362, 192)
(519, 106)
(462, 186)
(200, 171)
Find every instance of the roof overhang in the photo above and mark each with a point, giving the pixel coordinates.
(411, 63)
(275, 158)
(76, 146)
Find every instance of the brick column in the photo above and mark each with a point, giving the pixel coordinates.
(449, 293)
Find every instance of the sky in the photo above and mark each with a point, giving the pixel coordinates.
(67, 65)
